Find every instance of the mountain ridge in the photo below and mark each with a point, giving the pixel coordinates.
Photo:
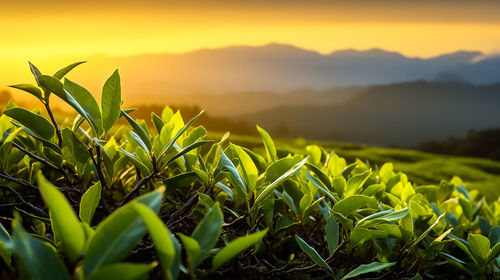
(275, 67)
(401, 114)
(284, 68)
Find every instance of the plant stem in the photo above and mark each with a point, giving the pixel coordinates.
(98, 166)
(54, 122)
(21, 182)
(100, 175)
(44, 162)
(176, 216)
(137, 186)
(24, 202)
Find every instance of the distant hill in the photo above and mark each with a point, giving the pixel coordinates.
(274, 68)
(482, 143)
(401, 114)
(238, 103)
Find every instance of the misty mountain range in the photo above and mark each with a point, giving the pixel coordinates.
(402, 114)
(284, 68)
(374, 96)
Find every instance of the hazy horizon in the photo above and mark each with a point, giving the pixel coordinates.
(177, 53)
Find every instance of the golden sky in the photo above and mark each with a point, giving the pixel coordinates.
(40, 29)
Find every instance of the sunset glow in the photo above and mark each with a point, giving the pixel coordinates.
(57, 33)
(122, 29)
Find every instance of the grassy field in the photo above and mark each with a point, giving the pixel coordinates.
(422, 168)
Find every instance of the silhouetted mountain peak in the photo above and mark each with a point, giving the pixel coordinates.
(371, 53)
(282, 68)
(458, 57)
(275, 49)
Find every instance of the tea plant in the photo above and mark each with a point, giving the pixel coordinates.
(89, 199)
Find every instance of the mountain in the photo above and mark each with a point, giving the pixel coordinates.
(275, 68)
(402, 114)
(238, 103)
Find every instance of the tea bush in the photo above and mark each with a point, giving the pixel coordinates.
(89, 199)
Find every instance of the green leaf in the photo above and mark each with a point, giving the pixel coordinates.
(36, 123)
(493, 253)
(466, 207)
(320, 185)
(62, 72)
(160, 236)
(55, 86)
(367, 268)
(78, 150)
(4, 235)
(139, 141)
(462, 245)
(111, 101)
(312, 253)
(290, 202)
(63, 219)
(89, 203)
(375, 215)
(38, 258)
(356, 182)
(186, 150)
(177, 135)
(336, 165)
(321, 176)
(386, 217)
(397, 215)
(315, 154)
(5, 242)
(83, 101)
(136, 161)
(248, 168)
(479, 246)
(207, 232)
(461, 189)
(227, 164)
(350, 204)
(268, 144)
(138, 129)
(35, 71)
(494, 236)
(424, 234)
(157, 121)
(360, 234)
(235, 247)
(304, 202)
(31, 89)
(332, 233)
(177, 265)
(122, 271)
(192, 247)
(180, 181)
(118, 234)
(7, 142)
(257, 159)
(271, 187)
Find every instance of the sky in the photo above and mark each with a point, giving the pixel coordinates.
(39, 29)
(54, 33)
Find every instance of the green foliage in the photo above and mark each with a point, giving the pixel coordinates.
(90, 201)
(313, 254)
(367, 268)
(36, 123)
(238, 210)
(235, 247)
(65, 225)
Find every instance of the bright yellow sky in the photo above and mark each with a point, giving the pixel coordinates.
(36, 30)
